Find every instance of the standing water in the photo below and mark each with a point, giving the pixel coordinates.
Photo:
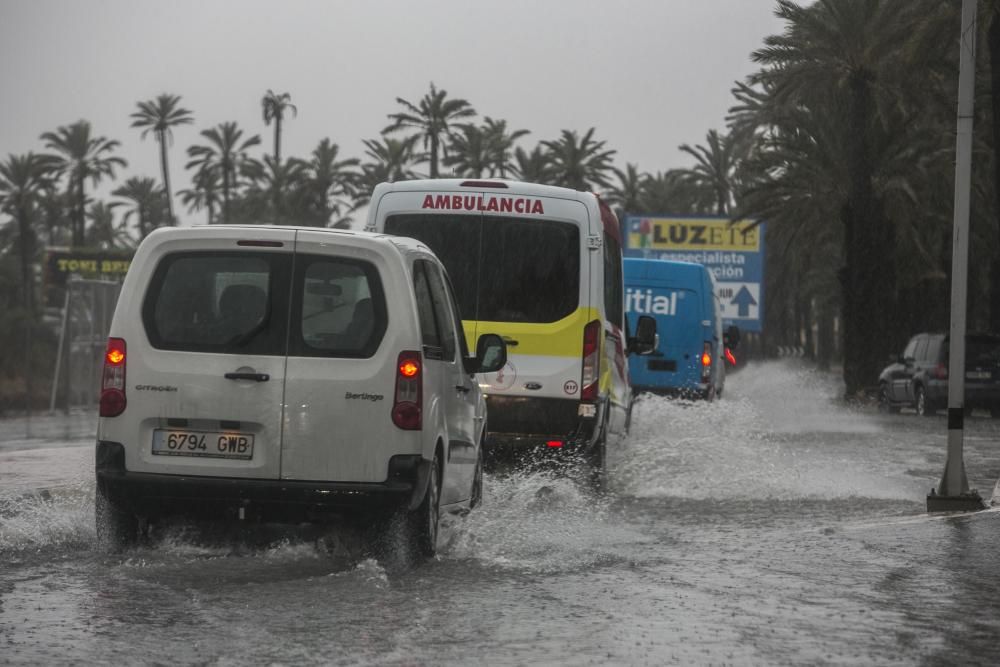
(774, 526)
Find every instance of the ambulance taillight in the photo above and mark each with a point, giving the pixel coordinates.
(591, 361)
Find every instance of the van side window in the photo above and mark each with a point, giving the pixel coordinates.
(425, 311)
(921, 352)
(613, 280)
(463, 347)
(228, 302)
(442, 312)
(338, 308)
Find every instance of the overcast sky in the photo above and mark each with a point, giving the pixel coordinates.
(648, 74)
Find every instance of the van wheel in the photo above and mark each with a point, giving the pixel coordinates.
(922, 404)
(116, 529)
(422, 523)
(884, 404)
(477, 481)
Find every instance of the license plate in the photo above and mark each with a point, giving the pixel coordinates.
(977, 375)
(205, 444)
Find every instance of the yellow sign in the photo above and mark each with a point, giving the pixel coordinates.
(695, 234)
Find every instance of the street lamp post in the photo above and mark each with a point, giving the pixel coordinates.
(953, 493)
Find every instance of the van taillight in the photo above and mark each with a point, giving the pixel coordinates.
(706, 354)
(407, 401)
(940, 372)
(113, 379)
(591, 361)
(706, 362)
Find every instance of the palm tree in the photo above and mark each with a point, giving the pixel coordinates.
(432, 118)
(626, 196)
(533, 167)
(82, 157)
(329, 183)
(390, 161)
(670, 193)
(715, 167)
(271, 183)
(274, 107)
(580, 162)
(23, 181)
(469, 152)
(159, 116)
(225, 153)
(205, 193)
(500, 143)
(392, 156)
(146, 199)
(863, 68)
(103, 232)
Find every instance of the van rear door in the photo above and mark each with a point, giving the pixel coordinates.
(205, 355)
(676, 362)
(342, 356)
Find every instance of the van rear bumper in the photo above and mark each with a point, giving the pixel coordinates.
(526, 423)
(153, 495)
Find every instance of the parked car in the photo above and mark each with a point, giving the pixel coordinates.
(288, 375)
(542, 266)
(919, 377)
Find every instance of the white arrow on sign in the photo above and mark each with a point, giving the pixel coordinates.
(739, 300)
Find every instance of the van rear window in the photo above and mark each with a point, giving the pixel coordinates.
(338, 309)
(233, 302)
(502, 269)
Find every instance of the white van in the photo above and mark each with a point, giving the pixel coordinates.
(285, 374)
(542, 266)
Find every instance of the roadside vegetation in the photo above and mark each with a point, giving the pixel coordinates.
(842, 141)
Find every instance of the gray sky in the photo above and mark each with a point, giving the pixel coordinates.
(648, 74)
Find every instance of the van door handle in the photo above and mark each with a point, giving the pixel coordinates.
(510, 341)
(465, 389)
(259, 377)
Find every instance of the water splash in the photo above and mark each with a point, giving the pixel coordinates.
(540, 521)
(780, 433)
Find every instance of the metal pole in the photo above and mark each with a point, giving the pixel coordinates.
(59, 353)
(953, 492)
(91, 356)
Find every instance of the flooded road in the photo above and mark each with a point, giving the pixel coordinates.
(772, 527)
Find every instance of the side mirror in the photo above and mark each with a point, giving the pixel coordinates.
(491, 355)
(646, 339)
(732, 337)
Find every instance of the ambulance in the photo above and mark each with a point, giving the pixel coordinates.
(541, 266)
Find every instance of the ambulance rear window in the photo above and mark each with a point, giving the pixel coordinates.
(502, 269)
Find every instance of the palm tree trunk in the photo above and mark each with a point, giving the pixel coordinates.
(80, 223)
(868, 277)
(434, 156)
(277, 140)
(225, 196)
(166, 178)
(993, 43)
(26, 247)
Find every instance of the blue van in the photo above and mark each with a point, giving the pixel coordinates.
(689, 360)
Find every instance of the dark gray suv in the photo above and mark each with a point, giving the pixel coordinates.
(919, 377)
